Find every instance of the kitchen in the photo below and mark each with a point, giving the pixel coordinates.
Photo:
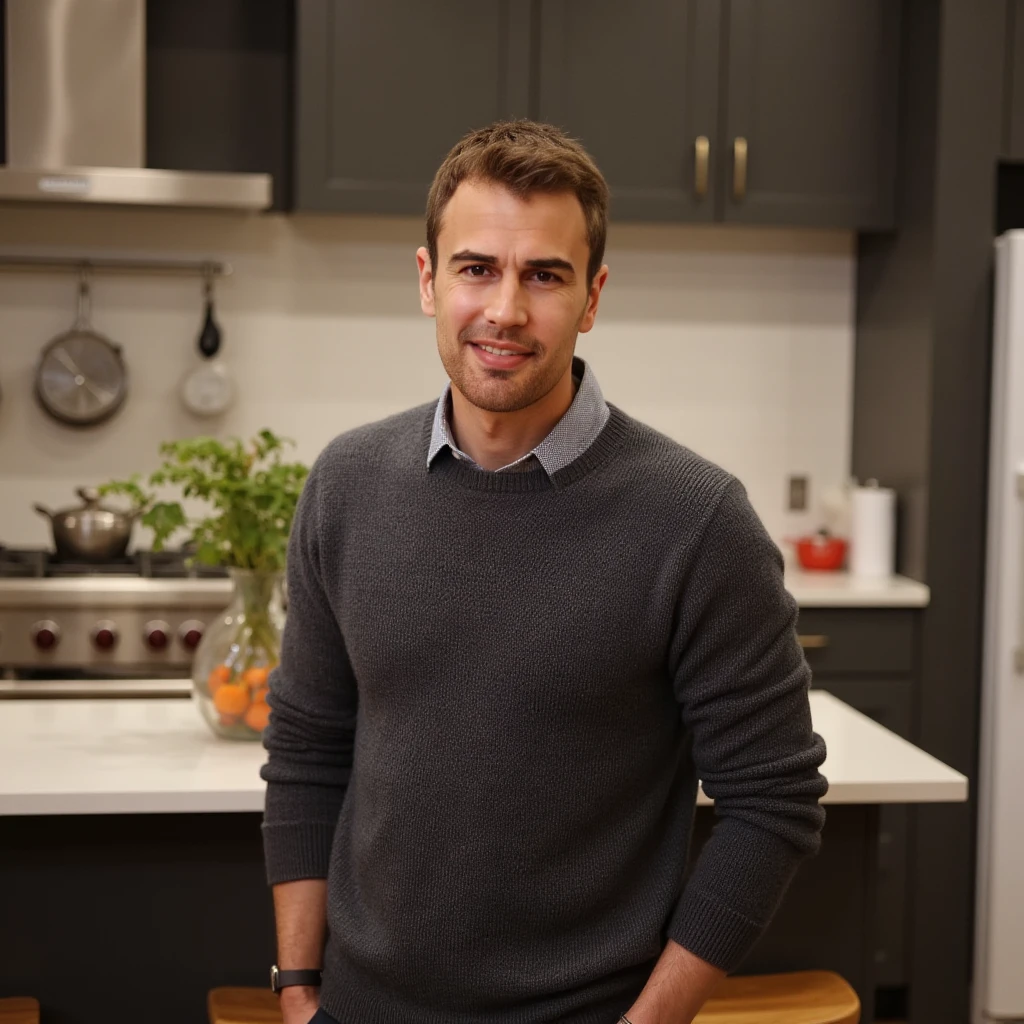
(760, 335)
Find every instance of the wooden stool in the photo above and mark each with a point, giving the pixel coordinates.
(19, 1011)
(240, 1006)
(803, 997)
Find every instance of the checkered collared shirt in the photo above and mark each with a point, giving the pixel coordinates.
(570, 437)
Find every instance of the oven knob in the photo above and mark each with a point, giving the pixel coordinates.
(156, 634)
(190, 633)
(104, 635)
(46, 635)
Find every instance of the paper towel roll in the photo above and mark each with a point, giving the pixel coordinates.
(873, 531)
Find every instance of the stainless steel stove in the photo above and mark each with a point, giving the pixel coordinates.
(121, 628)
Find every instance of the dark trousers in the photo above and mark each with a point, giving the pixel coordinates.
(322, 1017)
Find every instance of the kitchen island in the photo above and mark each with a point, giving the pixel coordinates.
(129, 837)
(157, 757)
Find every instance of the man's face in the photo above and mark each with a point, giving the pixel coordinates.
(509, 293)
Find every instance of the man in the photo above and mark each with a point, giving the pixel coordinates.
(522, 625)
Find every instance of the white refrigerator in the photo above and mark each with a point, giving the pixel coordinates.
(998, 992)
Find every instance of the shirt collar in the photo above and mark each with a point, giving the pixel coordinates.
(570, 437)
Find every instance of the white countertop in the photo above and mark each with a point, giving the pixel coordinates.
(811, 589)
(841, 590)
(119, 756)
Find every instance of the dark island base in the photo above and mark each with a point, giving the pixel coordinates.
(122, 919)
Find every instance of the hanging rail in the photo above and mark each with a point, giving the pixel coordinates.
(114, 265)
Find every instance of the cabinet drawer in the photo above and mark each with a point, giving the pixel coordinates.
(844, 640)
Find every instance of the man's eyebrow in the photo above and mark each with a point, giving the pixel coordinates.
(545, 263)
(552, 263)
(467, 256)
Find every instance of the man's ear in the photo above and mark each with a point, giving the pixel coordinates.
(426, 280)
(593, 298)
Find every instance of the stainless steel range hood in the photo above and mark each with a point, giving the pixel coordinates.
(76, 80)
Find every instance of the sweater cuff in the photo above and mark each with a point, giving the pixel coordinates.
(713, 932)
(297, 850)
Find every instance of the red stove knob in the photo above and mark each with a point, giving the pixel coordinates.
(156, 634)
(190, 633)
(105, 635)
(46, 635)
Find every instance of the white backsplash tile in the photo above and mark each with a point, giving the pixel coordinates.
(736, 342)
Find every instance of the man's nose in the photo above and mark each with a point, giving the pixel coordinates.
(506, 306)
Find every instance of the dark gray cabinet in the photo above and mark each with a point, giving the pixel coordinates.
(811, 117)
(890, 703)
(638, 85)
(218, 88)
(1013, 103)
(869, 659)
(383, 91)
(757, 111)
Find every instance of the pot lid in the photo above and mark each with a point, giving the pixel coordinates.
(90, 503)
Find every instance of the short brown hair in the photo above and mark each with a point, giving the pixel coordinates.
(525, 157)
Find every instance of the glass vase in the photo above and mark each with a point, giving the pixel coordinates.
(233, 660)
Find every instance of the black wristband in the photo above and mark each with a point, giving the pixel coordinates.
(287, 979)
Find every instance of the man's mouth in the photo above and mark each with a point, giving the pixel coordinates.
(500, 356)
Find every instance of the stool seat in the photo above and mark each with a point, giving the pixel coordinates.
(19, 1010)
(240, 1006)
(800, 997)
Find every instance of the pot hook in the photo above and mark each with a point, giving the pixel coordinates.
(83, 314)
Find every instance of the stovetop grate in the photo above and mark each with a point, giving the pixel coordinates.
(38, 563)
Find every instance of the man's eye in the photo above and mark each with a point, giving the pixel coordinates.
(477, 270)
(546, 277)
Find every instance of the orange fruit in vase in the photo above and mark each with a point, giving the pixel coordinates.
(260, 696)
(231, 699)
(218, 677)
(255, 677)
(257, 716)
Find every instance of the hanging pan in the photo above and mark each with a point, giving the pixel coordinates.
(81, 377)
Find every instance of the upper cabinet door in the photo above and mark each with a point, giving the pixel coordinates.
(1013, 101)
(637, 83)
(811, 112)
(385, 89)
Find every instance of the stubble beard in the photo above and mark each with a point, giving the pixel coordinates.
(495, 390)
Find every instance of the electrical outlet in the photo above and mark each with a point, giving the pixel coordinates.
(798, 489)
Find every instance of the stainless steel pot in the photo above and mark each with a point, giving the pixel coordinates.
(89, 531)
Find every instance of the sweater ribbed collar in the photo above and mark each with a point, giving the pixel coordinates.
(608, 442)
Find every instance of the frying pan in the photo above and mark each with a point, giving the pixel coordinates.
(81, 377)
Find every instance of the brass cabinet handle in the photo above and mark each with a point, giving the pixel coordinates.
(739, 170)
(701, 154)
(812, 641)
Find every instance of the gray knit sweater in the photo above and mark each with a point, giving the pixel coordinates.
(496, 696)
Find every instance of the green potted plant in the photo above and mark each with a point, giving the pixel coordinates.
(250, 496)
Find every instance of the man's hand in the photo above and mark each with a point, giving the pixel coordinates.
(676, 990)
(301, 912)
(299, 1004)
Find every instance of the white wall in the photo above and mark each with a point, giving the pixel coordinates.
(738, 343)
